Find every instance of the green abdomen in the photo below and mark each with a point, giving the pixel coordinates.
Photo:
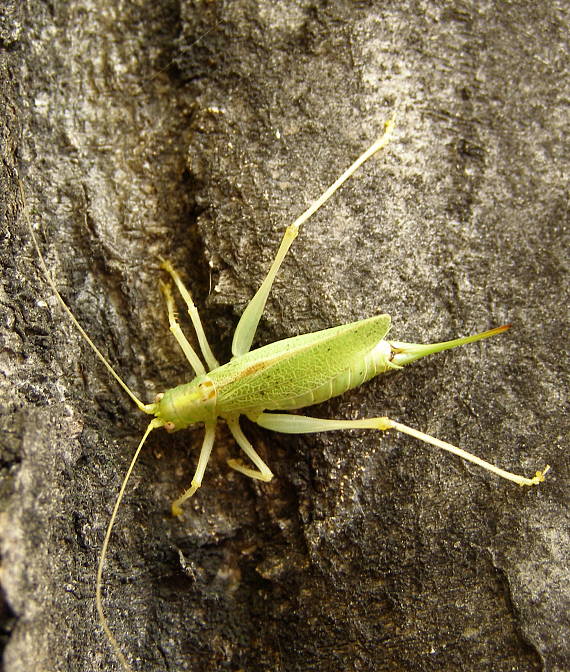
(355, 374)
(276, 388)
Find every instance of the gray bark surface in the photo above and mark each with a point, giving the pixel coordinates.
(197, 131)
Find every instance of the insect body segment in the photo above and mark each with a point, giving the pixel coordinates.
(184, 405)
(302, 370)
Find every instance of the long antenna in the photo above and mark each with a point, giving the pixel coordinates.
(153, 424)
(146, 408)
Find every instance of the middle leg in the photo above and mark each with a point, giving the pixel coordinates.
(263, 472)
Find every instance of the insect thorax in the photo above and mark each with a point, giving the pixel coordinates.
(189, 403)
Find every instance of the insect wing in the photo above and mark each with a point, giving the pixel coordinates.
(274, 374)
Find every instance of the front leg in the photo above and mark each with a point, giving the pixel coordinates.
(211, 361)
(178, 334)
(200, 469)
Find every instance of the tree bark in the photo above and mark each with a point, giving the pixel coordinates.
(197, 131)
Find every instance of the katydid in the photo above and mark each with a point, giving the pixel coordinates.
(283, 376)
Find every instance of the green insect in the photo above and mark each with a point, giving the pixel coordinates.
(283, 376)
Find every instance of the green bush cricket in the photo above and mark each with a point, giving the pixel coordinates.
(284, 376)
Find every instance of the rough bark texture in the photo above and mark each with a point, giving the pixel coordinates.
(197, 131)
